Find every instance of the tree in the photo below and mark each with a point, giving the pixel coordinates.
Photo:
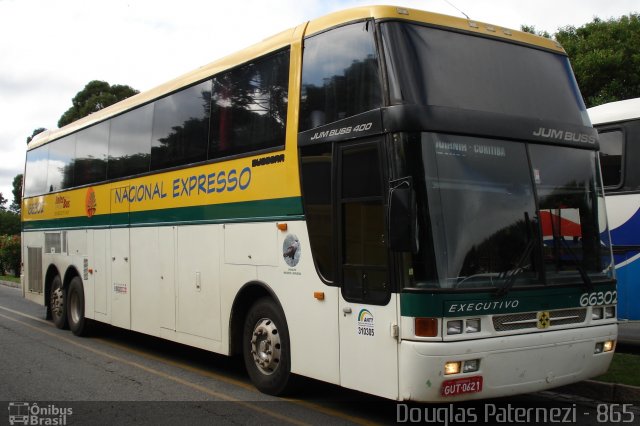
(9, 223)
(35, 132)
(10, 254)
(17, 194)
(95, 96)
(605, 56)
(532, 29)
(3, 201)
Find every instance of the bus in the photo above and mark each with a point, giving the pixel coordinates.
(359, 200)
(618, 125)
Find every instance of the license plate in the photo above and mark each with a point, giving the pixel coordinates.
(459, 386)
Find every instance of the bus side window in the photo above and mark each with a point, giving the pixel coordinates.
(130, 143)
(316, 168)
(249, 106)
(61, 164)
(340, 75)
(91, 154)
(35, 181)
(611, 157)
(181, 127)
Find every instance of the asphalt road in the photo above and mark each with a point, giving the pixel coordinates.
(121, 377)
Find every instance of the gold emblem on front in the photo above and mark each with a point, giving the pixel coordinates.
(544, 320)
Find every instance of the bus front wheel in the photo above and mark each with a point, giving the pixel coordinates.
(79, 325)
(266, 349)
(58, 303)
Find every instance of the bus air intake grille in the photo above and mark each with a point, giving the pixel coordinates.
(529, 320)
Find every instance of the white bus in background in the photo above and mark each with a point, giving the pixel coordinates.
(618, 125)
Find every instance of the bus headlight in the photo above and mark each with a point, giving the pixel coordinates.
(452, 367)
(454, 327)
(472, 325)
(606, 346)
(596, 313)
(471, 365)
(609, 312)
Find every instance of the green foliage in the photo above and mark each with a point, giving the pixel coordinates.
(10, 254)
(605, 56)
(9, 223)
(35, 132)
(95, 96)
(532, 29)
(3, 201)
(17, 194)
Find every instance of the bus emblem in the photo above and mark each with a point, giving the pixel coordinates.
(291, 250)
(544, 320)
(90, 203)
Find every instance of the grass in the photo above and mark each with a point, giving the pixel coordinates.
(625, 369)
(9, 278)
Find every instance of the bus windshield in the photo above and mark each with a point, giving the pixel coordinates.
(508, 213)
(431, 66)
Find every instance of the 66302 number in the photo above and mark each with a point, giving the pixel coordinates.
(598, 298)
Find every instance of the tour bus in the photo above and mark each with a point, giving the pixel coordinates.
(359, 200)
(618, 125)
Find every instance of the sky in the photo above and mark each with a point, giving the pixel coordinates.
(50, 49)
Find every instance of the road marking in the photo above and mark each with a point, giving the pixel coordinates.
(159, 373)
(310, 405)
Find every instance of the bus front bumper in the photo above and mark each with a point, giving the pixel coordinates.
(508, 365)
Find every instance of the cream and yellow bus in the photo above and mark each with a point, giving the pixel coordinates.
(390, 200)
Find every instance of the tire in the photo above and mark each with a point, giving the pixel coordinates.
(57, 303)
(78, 323)
(266, 349)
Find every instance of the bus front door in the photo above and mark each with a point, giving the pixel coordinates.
(368, 308)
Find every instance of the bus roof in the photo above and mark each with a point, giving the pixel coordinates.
(285, 38)
(615, 111)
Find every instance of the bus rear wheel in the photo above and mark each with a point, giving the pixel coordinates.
(57, 303)
(266, 350)
(78, 323)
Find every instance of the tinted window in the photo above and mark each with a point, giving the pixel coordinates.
(339, 75)
(481, 209)
(130, 143)
(429, 66)
(180, 127)
(611, 157)
(35, 181)
(316, 172)
(61, 162)
(364, 252)
(91, 154)
(249, 107)
(571, 204)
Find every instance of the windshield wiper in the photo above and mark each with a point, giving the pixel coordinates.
(510, 280)
(583, 274)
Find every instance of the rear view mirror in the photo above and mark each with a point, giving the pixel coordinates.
(402, 216)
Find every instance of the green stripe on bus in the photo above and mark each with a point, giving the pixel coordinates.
(434, 305)
(262, 210)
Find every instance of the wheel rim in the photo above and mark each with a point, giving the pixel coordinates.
(266, 346)
(74, 307)
(57, 301)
